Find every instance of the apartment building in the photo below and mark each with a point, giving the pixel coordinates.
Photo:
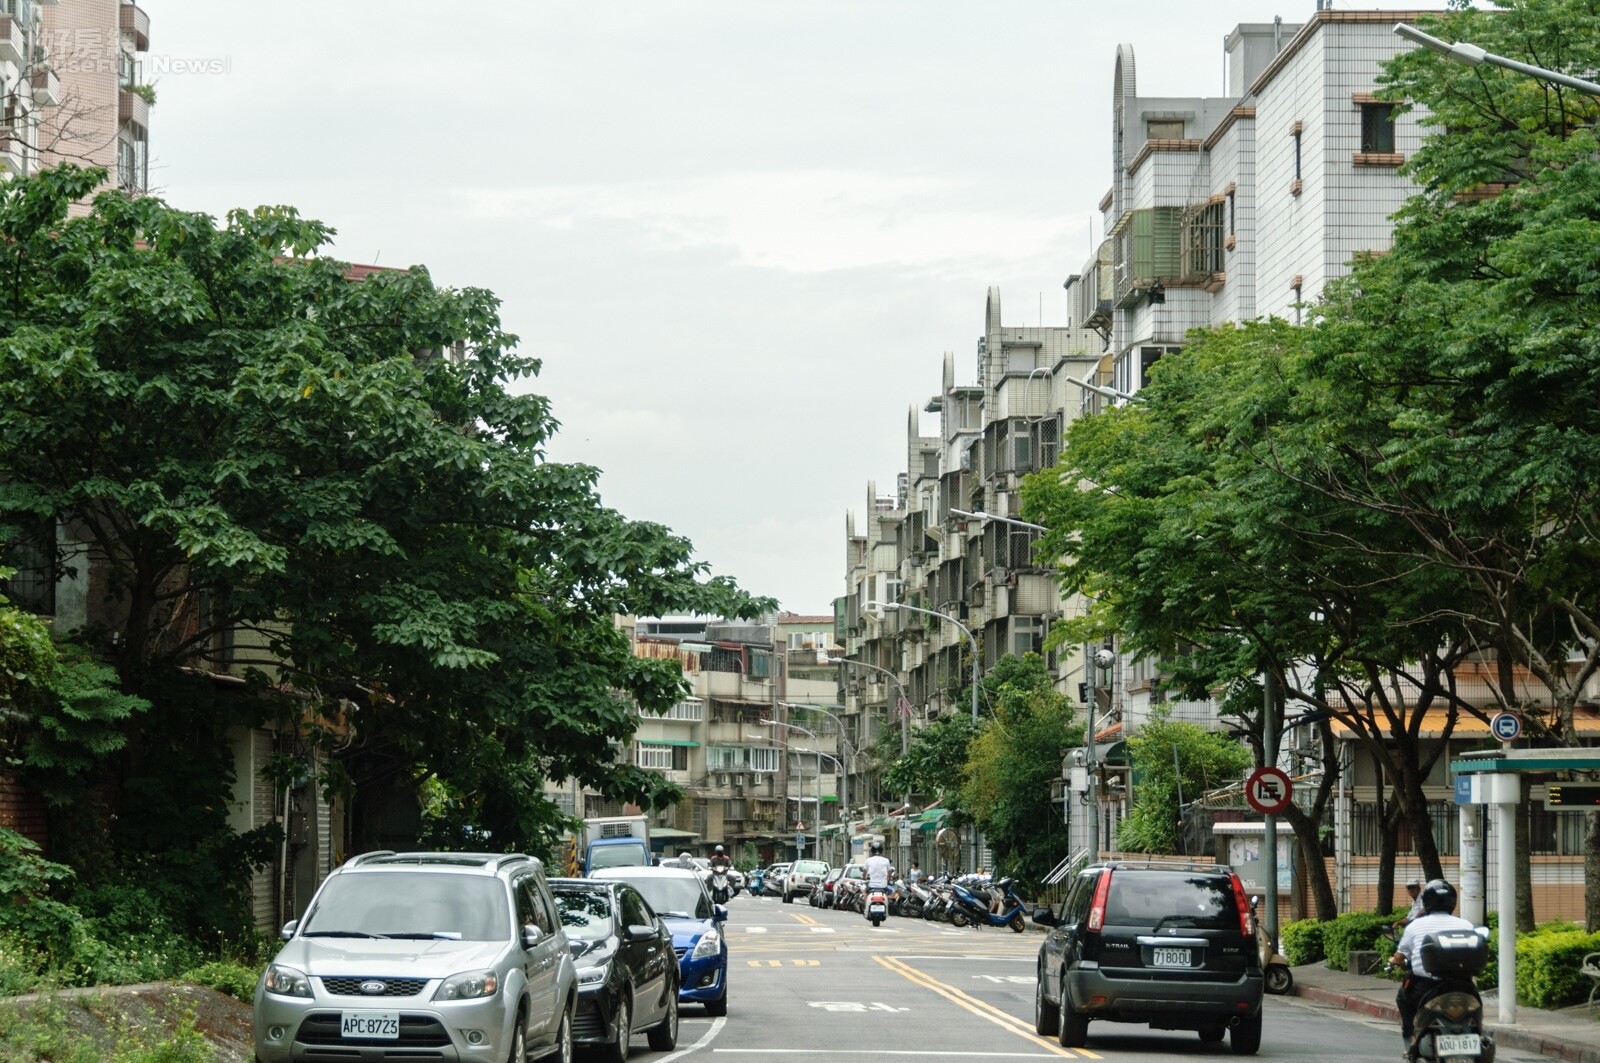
(29, 87)
(96, 49)
(1220, 209)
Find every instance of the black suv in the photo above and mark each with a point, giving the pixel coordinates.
(1165, 944)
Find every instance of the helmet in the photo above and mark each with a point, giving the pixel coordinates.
(718, 849)
(1438, 896)
(875, 849)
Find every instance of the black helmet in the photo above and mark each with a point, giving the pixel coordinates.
(875, 849)
(1438, 896)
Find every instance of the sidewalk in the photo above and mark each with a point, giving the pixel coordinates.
(1571, 1035)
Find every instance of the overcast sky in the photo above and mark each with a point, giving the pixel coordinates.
(740, 235)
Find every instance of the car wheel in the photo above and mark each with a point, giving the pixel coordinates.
(1212, 1034)
(1073, 1029)
(562, 1052)
(718, 1007)
(1245, 1039)
(519, 1042)
(621, 1032)
(1046, 1015)
(664, 1038)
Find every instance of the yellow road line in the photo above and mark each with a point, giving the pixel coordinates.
(805, 920)
(982, 1009)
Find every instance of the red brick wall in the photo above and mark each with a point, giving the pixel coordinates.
(22, 810)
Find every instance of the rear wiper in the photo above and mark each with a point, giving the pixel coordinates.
(340, 934)
(1164, 920)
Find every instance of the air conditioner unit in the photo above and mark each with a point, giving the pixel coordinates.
(722, 778)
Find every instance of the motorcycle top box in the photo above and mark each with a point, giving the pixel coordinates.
(1455, 953)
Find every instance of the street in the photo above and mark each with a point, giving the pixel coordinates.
(806, 982)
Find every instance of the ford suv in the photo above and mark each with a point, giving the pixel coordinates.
(449, 956)
(1164, 944)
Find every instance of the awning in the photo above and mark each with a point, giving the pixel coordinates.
(667, 742)
(670, 834)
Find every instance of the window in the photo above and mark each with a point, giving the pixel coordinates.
(663, 757)
(1148, 356)
(1203, 233)
(1377, 128)
(33, 555)
(1164, 129)
(733, 808)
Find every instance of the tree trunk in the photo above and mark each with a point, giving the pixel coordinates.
(1591, 873)
(1308, 846)
(1524, 855)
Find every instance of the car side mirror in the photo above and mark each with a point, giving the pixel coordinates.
(531, 936)
(1045, 917)
(719, 913)
(641, 932)
(288, 929)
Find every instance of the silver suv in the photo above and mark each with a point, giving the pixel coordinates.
(452, 956)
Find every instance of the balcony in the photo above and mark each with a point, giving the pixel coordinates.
(13, 42)
(46, 88)
(131, 107)
(135, 25)
(11, 154)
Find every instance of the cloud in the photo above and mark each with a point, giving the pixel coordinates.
(799, 221)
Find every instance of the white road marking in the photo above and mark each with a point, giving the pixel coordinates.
(921, 1053)
(716, 1028)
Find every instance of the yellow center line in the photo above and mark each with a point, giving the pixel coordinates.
(805, 920)
(982, 1009)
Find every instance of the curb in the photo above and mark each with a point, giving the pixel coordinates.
(1560, 1048)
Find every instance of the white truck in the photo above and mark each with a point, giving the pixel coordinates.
(614, 841)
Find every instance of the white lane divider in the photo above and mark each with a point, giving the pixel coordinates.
(716, 1028)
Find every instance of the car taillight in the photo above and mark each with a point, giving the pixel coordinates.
(1097, 908)
(1243, 904)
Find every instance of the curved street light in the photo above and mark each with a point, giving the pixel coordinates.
(905, 723)
(957, 623)
(1472, 55)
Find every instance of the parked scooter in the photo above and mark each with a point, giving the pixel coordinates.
(976, 908)
(1274, 966)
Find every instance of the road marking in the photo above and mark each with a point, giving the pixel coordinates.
(984, 1010)
(922, 1053)
(804, 920)
(779, 963)
(753, 929)
(716, 1028)
(823, 930)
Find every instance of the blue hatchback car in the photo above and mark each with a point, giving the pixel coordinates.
(682, 901)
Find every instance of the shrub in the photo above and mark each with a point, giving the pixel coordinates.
(1547, 966)
(1302, 941)
(1354, 931)
(233, 979)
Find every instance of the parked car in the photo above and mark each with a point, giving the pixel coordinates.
(1164, 944)
(417, 954)
(803, 877)
(822, 896)
(627, 971)
(680, 898)
(772, 881)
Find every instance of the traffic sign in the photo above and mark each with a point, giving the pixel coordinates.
(1506, 726)
(1268, 790)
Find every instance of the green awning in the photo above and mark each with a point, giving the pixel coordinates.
(827, 798)
(667, 742)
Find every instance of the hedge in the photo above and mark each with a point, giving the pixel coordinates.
(1353, 931)
(1302, 941)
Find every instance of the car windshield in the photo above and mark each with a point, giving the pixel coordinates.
(1148, 898)
(616, 856)
(585, 914)
(406, 904)
(671, 895)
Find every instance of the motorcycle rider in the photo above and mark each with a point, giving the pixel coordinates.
(878, 867)
(1438, 899)
(720, 860)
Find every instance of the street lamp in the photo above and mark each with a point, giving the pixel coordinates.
(905, 728)
(969, 515)
(849, 748)
(957, 623)
(816, 837)
(1472, 55)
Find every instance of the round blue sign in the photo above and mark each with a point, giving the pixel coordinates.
(1507, 726)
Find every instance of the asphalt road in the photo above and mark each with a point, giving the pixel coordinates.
(807, 984)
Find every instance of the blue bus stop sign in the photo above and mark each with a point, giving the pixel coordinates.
(1506, 726)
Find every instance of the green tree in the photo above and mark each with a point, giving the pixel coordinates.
(1012, 762)
(935, 765)
(343, 470)
(1169, 758)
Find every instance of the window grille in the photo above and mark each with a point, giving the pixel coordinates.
(1204, 229)
(1377, 128)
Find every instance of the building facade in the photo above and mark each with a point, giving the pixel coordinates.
(97, 48)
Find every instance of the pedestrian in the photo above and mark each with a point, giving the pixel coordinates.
(916, 872)
(1413, 890)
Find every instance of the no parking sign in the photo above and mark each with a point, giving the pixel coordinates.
(1268, 790)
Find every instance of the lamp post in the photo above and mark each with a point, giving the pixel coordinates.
(1472, 55)
(845, 743)
(816, 837)
(970, 515)
(905, 730)
(958, 624)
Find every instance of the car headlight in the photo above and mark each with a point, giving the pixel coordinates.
(287, 982)
(593, 975)
(709, 945)
(469, 986)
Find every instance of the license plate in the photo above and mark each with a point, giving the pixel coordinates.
(1170, 957)
(1456, 1044)
(384, 1025)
